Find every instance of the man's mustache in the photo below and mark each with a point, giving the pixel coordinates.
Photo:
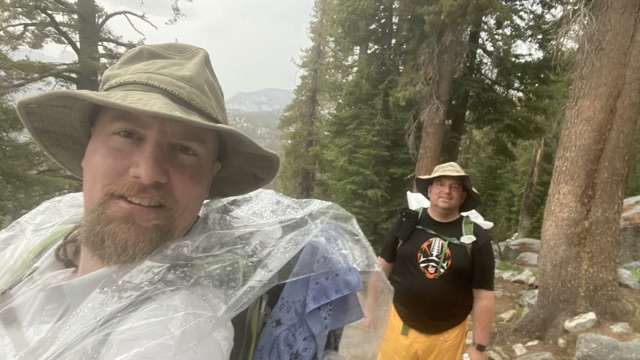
(153, 193)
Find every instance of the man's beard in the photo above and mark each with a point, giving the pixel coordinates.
(121, 238)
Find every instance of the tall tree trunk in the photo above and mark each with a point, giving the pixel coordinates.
(308, 174)
(580, 229)
(526, 206)
(89, 55)
(302, 181)
(433, 116)
(461, 102)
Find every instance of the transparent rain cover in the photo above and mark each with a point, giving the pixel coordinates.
(240, 247)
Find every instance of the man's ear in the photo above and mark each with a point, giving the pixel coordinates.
(215, 168)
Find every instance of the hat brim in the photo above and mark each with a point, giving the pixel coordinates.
(473, 197)
(59, 123)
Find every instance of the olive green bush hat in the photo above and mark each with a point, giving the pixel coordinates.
(450, 169)
(173, 81)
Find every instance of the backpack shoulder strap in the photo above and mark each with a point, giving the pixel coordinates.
(467, 226)
(408, 221)
(247, 326)
(467, 230)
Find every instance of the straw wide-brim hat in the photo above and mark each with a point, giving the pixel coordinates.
(450, 169)
(172, 81)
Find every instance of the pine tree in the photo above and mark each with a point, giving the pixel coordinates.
(80, 25)
(515, 95)
(431, 36)
(581, 219)
(301, 121)
(366, 160)
(633, 183)
(27, 176)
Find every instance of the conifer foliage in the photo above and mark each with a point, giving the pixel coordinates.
(391, 88)
(359, 138)
(582, 216)
(27, 175)
(537, 99)
(80, 25)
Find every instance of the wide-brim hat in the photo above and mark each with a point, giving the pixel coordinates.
(173, 81)
(450, 169)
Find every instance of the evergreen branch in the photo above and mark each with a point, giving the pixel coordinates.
(57, 73)
(66, 78)
(499, 84)
(48, 171)
(65, 5)
(117, 42)
(59, 29)
(25, 25)
(110, 55)
(126, 14)
(486, 51)
(136, 29)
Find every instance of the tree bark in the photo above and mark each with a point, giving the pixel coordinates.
(308, 174)
(526, 206)
(580, 229)
(433, 116)
(89, 54)
(461, 102)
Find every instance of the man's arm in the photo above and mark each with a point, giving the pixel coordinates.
(373, 292)
(376, 279)
(483, 309)
(386, 266)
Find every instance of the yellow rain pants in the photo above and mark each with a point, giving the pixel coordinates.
(403, 343)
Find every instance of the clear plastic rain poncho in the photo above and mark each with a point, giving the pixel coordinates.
(240, 248)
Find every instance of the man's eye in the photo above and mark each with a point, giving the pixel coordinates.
(127, 134)
(185, 150)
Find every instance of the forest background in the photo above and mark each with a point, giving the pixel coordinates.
(389, 89)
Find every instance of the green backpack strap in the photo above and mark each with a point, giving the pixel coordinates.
(247, 327)
(257, 321)
(467, 230)
(467, 226)
(8, 317)
(18, 270)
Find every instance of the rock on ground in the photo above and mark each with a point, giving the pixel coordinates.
(599, 347)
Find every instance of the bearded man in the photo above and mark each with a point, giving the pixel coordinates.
(151, 145)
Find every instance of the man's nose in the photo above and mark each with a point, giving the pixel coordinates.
(149, 165)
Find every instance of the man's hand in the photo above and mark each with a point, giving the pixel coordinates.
(368, 323)
(474, 354)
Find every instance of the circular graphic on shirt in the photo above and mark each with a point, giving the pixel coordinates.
(429, 256)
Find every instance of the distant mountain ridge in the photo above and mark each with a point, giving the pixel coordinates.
(257, 114)
(261, 100)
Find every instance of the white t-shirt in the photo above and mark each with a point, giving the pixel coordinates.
(175, 325)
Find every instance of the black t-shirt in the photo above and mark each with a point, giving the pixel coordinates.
(426, 301)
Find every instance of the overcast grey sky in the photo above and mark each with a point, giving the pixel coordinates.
(252, 43)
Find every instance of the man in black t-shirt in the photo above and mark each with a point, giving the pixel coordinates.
(440, 273)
